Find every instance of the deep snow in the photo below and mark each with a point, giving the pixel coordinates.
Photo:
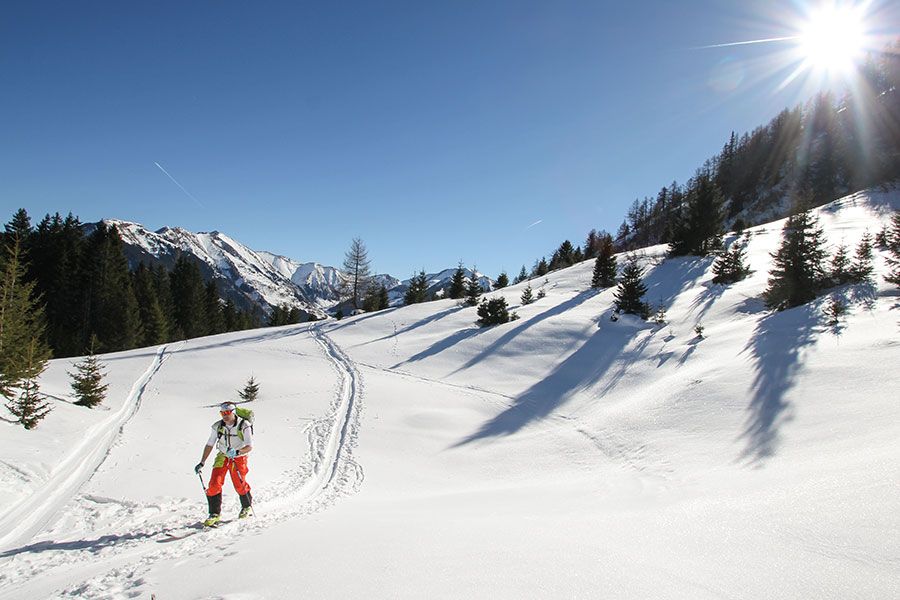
(409, 453)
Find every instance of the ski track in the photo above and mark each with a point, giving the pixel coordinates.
(34, 512)
(125, 558)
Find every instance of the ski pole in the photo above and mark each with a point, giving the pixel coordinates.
(200, 475)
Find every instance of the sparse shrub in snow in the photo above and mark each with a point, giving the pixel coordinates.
(542, 293)
(629, 295)
(698, 329)
(87, 380)
(250, 391)
(527, 295)
(659, 317)
(494, 312)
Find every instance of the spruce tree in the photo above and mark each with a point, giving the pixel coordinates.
(458, 283)
(27, 406)
(605, 264)
(212, 305)
(731, 265)
(892, 238)
(376, 298)
(494, 312)
(861, 270)
(250, 391)
(522, 276)
(473, 289)
(527, 296)
(839, 273)
(699, 223)
(188, 298)
(797, 274)
(87, 381)
(154, 325)
(502, 280)
(630, 292)
(23, 352)
(418, 289)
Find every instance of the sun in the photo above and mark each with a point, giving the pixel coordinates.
(833, 40)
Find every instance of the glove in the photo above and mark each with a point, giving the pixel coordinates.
(231, 453)
(198, 468)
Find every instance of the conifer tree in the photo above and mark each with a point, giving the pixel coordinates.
(23, 352)
(630, 292)
(541, 268)
(418, 289)
(458, 283)
(502, 280)
(473, 289)
(797, 274)
(699, 223)
(376, 298)
(213, 308)
(839, 272)
(861, 270)
(522, 276)
(250, 392)
(188, 298)
(527, 296)
(27, 406)
(87, 381)
(731, 265)
(605, 264)
(494, 312)
(154, 325)
(357, 267)
(892, 238)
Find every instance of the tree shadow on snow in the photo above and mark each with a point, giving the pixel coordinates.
(421, 323)
(585, 366)
(504, 339)
(777, 348)
(672, 277)
(443, 344)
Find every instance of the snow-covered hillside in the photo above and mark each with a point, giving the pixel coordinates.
(411, 454)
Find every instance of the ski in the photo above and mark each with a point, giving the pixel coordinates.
(187, 531)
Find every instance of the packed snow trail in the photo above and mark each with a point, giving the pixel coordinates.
(22, 522)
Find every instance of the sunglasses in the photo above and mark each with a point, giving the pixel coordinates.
(225, 412)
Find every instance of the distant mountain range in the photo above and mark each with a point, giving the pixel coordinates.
(254, 278)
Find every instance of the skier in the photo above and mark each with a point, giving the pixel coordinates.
(234, 438)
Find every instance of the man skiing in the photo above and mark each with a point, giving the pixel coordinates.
(234, 438)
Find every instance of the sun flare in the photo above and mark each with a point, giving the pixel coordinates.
(833, 40)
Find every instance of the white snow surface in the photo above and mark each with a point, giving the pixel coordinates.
(411, 454)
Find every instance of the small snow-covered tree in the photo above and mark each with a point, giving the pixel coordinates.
(250, 391)
(473, 289)
(892, 239)
(502, 280)
(458, 283)
(605, 267)
(87, 380)
(731, 265)
(839, 273)
(836, 309)
(797, 274)
(861, 270)
(494, 312)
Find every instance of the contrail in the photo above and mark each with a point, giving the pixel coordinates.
(764, 41)
(178, 184)
(533, 224)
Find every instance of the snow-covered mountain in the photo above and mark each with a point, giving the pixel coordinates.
(409, 453)
(260, 278)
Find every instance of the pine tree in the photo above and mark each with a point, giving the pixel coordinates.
(630, 292)
(502, 280)
(87, 381)
(861, 270)
(541, 268)
(376, 298)
(250, 391)
(27, 406)
(188, 298)
(522, 276)
(605, 264)
(892, 238)
(473, 289)
(418, 289)
(357, 267)
(212, 306)
(154, 325)
(527, 296)
(458, 283)
(797, 275)
(839, 272)
(19, 228)
(731, 265)
(699, 223)
(494, 312)
(23, 352)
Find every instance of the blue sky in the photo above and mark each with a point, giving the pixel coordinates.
(486, 132)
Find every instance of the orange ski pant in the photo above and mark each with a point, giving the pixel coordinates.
(238, 469)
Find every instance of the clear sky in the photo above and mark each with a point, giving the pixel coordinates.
(480, 131)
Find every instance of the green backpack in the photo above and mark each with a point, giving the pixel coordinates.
(245, 418)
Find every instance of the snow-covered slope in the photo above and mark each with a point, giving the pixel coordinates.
(411, 454)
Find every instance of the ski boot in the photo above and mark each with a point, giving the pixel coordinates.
(212, 521)
(246, 511)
